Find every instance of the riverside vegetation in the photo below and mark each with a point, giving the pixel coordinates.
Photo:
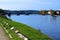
(29, 32)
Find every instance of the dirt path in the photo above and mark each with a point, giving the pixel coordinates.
(2, 34)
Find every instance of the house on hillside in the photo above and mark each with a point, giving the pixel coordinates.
(50, 12)
(58, 13)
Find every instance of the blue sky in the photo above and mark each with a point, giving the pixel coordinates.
(30, 4)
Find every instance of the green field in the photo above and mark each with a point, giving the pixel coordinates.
(29, 32)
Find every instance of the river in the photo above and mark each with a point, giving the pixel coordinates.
(49, 25)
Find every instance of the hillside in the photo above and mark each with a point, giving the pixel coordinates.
(30, 33)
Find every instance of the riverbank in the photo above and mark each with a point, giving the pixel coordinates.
(27, 31)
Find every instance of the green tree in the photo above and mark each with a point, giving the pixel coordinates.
(1, 11)
(43, 12)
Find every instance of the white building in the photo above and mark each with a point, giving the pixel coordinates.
(49, 12)
(57, 12)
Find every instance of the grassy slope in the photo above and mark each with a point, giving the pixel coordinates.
(29, 32)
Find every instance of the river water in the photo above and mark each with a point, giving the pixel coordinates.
(49, 25)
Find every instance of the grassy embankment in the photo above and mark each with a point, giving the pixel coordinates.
(29, 32)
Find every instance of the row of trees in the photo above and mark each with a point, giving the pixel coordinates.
(2, 14)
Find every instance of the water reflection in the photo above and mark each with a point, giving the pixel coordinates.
(54, 18)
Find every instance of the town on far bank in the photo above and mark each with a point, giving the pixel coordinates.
(28, 12)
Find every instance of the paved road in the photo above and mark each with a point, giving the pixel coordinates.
(2, 34)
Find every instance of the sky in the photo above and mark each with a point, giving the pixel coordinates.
(30, 4)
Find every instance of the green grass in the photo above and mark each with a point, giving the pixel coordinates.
(28, 31)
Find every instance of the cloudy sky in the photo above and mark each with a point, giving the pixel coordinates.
(30, 4)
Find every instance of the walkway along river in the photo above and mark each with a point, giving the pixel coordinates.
(2, 34)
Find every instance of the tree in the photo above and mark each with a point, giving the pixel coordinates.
(1, 12)
(43, 12)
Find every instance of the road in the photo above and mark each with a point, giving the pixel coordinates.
(3, 34)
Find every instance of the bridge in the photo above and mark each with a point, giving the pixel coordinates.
(28, 12)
